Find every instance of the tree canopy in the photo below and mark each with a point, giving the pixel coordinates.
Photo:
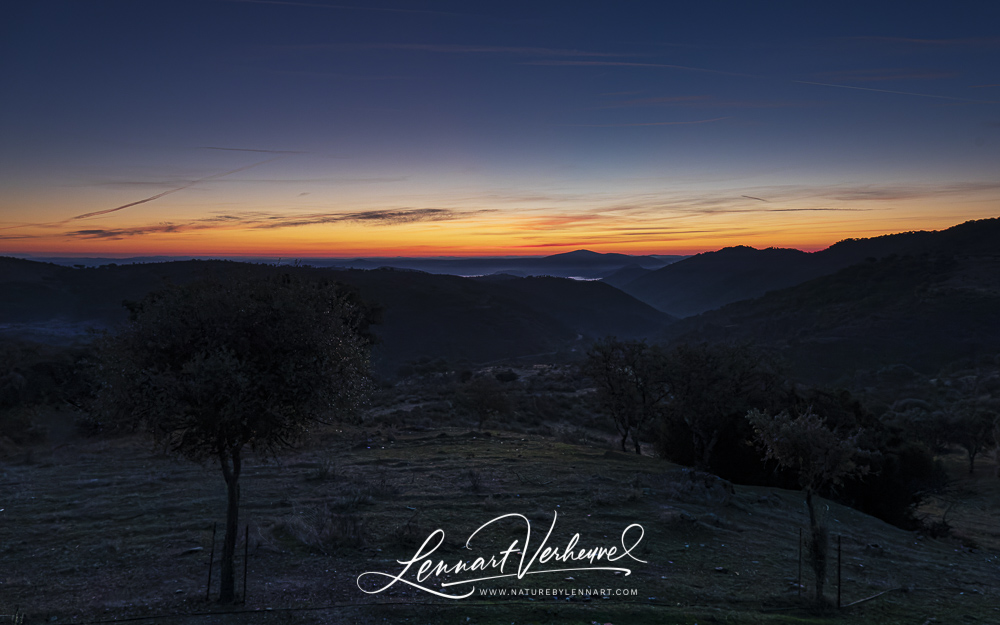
(236, 362)
(631, 384)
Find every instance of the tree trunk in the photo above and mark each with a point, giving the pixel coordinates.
(972, 462)
(227, 593)
(817, 547)
(635, 442)
(624, 440)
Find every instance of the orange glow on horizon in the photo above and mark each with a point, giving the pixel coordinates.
(428, 227)
(241, 244)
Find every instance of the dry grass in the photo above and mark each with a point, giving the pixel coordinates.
(111, 529)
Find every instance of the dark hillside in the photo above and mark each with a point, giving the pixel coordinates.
(425, 315)
(713, 279)
(625, 275)
(923, 311)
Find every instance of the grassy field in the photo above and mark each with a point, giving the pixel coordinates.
(105, 530)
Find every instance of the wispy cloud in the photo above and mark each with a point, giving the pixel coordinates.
(374, 217)
(559, 63)
(328, 181)
(700, 101)
(340, 76)
(261, 220)
(462, 49)
(911, 93)
(884, 75)
(168, 192)
(208, 147)
(658, 101)
(906, 192)
(675, 123)
(964, 41)
(151, 198)
(344, 7)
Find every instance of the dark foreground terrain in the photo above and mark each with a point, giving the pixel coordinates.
(111, 530)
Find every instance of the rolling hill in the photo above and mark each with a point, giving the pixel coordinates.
(924, 311)
(707, 281)
(425, 315)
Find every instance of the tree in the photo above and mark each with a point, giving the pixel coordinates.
(712, 386)
(972, 425)
(630, 384)
(235, 363)
(821, 457)
(485, 398)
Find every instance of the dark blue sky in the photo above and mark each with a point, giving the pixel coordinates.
(474, 127)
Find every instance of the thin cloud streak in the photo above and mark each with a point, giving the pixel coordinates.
(461, 49)
(698, 101)
(879, 75)
(344, 7)
(143, 201)
(681, 123)
(268, 221)
(922, 95)
(159, 195)
(635, 64)
(971, 41)
(208, 147)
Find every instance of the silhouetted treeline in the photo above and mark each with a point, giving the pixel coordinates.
(705, 392)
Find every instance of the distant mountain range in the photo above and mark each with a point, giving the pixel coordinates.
(471, 320)
(713, 279)
(580, 264)
(924, 300)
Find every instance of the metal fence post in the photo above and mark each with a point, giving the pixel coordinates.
(246, 548)
(839, 537)
(211, 562)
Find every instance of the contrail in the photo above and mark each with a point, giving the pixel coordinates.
(750, 197)
(159, 195)
(149, 199)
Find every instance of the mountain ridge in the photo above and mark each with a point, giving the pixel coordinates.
(713, 279)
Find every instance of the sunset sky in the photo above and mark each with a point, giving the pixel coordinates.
(383, 128)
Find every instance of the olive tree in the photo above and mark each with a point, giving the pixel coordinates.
(712, 386)
(820, 456)
(631, 384)
(972, 425)
(235, 364)
(485, 398)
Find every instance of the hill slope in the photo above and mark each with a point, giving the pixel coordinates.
(713, 279)
(425, 315)
(924, 311)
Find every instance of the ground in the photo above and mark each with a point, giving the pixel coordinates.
(102, 530)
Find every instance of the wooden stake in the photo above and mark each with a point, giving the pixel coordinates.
(211, 561)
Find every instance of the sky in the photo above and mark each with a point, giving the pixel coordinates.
(439, 128)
